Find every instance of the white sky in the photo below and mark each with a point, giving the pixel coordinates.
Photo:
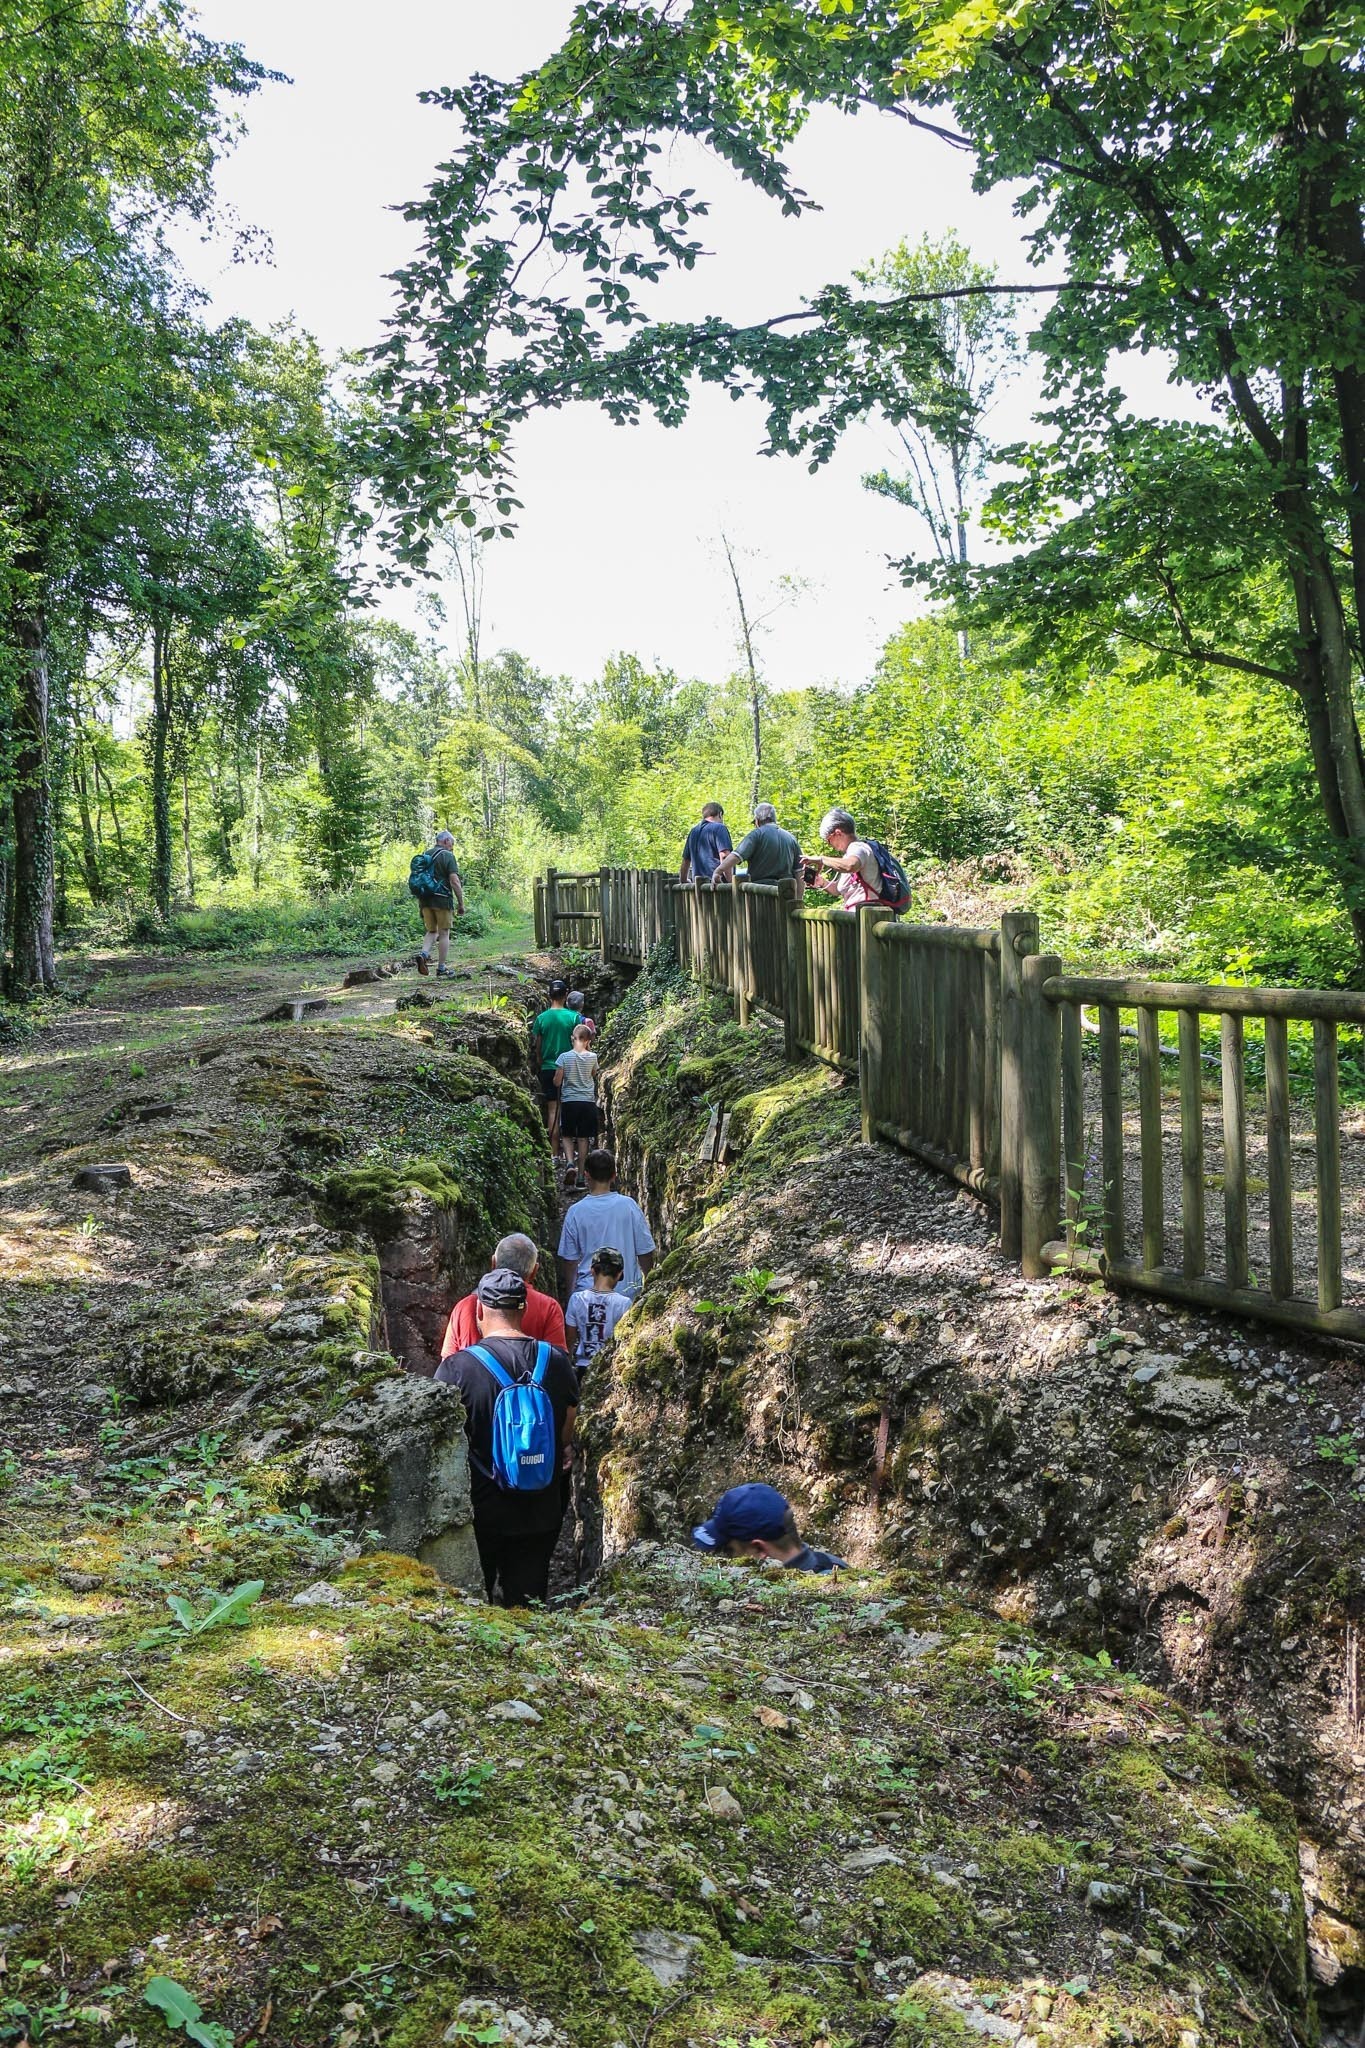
(616, 547)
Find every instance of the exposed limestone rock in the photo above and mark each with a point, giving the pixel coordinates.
(667, 1957)
(1182, 1402)
(397, 1460)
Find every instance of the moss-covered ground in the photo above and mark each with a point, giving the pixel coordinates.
(855, 1812)
(699, 1805)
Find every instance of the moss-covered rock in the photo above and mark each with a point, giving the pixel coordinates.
(709, 1803)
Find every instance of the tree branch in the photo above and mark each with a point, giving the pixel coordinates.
(1207, 657)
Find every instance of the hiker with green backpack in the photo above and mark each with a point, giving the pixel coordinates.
(434, 879)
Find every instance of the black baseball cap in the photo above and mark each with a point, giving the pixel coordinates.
(502, 1288)
(559, 988)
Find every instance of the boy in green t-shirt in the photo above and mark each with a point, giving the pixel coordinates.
(552, 1034)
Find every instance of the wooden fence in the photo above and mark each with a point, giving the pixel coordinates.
(622, 911)
(975, 1052)
(1259, 1268)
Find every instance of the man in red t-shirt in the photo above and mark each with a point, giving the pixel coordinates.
(543, 1318)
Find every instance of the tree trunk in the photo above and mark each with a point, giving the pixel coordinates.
(755, 684)
(960, 523)
(161, 791)
(257, 818)
(90, 859)
(185, 828)
(113, 807)
(34, 959)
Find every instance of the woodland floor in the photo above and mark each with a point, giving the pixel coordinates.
(774, 1815)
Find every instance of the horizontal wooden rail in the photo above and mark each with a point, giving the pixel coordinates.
(957, 938)
(1342, 1006)
(1292, 1314)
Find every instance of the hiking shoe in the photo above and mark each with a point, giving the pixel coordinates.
(421, 963)
(445, 973)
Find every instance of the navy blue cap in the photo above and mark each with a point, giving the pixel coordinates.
(741, 1515)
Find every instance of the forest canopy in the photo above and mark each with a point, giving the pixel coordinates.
(1127, 686)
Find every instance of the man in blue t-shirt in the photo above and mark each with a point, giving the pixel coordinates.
(707, 844)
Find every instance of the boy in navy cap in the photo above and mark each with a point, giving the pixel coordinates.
(755, 1521)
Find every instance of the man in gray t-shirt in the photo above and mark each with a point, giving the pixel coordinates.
(772, 855)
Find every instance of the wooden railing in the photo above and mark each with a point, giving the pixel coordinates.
(930, 1007)
(623, 911)
(637, 911)
(976, 1052)
(1259, 1268)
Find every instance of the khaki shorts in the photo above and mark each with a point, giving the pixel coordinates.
(436, 917)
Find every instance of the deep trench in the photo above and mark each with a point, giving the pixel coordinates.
(421, 1276)
(423, 1272)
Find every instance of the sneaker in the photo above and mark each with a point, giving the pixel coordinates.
(445, 973)
(421, 963)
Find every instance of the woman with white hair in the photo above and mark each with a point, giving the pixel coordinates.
(853, 872)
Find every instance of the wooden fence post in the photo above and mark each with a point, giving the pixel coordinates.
(1041, 1142)
(552, 908)
(792, 1007)
(603, 900)
(741, 950)
(1018, 938)
(870, 1049)
(788, 897)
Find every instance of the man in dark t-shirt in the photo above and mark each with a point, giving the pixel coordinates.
(516, 1530)
(772, 854)
(706, 844)
(438, 909)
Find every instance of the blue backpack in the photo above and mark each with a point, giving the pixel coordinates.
(895, 886)
(524, 1436)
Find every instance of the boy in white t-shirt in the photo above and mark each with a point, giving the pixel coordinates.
(599, 1219)
(593, 1313)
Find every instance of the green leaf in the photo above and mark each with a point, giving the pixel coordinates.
(231, 1607)
(182, 2009)
(182, 1610)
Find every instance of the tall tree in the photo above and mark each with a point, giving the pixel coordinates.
(111, 116)
(1196, 176)
(945, 446)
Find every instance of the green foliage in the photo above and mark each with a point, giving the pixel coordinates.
(429, 1897)
(1028, 1680)
(1192, 189)
(1342, 1449)
(366, 919)
(219, 1610)
(182, 2010)
(462, 1788)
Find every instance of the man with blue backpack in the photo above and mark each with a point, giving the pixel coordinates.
(520, 1403)
(859, 870)
(434, 879)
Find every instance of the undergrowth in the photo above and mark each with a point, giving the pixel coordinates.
(365, 919)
